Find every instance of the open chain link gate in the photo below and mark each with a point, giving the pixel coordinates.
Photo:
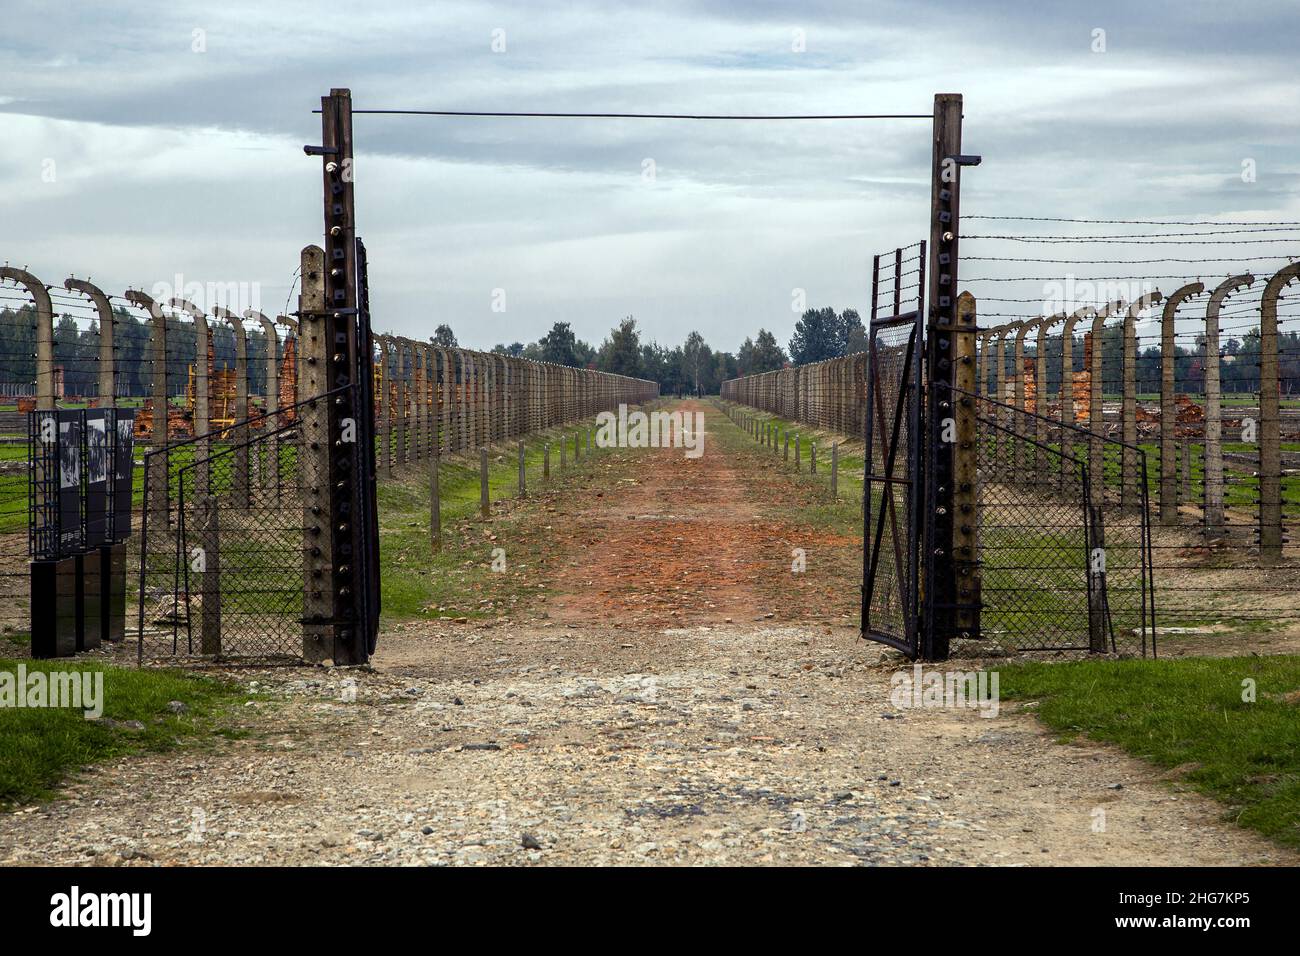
(979, 521)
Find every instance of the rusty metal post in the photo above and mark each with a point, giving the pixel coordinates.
(1215, 519)
(1169, 405)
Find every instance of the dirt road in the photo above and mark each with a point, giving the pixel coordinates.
(669, 708)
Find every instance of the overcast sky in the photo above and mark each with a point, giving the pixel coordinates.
(172, 134)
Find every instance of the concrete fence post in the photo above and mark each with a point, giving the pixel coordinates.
(1096, 420)
(1215, 518)
(201, 394)
(1169, 403)
(1129, 477)
(1270, 448)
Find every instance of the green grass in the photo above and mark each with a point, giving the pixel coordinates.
(1187, 713)
(40, 747)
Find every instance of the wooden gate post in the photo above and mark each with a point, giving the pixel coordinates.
(1270, 435)
(1215, 524)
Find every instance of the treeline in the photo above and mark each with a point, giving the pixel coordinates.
(76, 350)
(692, 367)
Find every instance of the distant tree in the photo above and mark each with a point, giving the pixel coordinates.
(745, 356)
(558, 345)
(514, 349)
(725, 366)
(444, 337)
(816, 336)
(697, 362)
(621, 352)
(853, 336)
(766, 355)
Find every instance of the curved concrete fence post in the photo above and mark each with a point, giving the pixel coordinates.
(1002, 443)
(241, 484)
(1022, 427)
(413, 409)
(271, 356)
(983, 360)
(383, 343)
(445, 401)
(433, 362)
(1042, 464)
(1096, 418)
(1130, 489)
(1169, 405)
(1215, 523)
(44, 329)
(289, 396)
(158, 396)
(460, 379)
(202, 468)
(107, 358)
(1068, 416)
(1270, 434)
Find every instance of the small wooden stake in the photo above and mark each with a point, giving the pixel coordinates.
(485, 506)
(835, 470)
(435, 504)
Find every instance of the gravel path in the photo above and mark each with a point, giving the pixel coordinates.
(742, 744)
(693, 731)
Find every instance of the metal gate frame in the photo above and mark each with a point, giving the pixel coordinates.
(882, 432)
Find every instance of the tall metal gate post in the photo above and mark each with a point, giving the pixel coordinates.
(336, 622)
(944, 328)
